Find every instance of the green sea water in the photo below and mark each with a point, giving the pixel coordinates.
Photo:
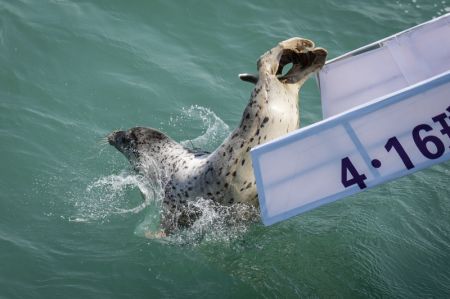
(71, 213)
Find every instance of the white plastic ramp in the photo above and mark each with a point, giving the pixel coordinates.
(387, 114)
(388, 138)
(385, 66)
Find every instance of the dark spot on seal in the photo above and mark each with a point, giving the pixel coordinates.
(247, 116)
(257, 132)
(265, 120)
(248, 185)
(226, 185)
(186, 194)
(242, 144)
(231, 200)
(251, 139)
(248, 149)
(228, 173)
(209, 194)
(234, 173)
(243, 162)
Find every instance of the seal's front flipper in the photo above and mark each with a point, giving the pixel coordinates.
(301, 53)
(249, 78)
(303, 64)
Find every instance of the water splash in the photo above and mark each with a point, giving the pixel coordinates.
(105, 197)
(214, 129)
(216, 223)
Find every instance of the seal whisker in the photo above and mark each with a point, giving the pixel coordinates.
(103, 141)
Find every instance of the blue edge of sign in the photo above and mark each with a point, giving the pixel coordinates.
(342, 119)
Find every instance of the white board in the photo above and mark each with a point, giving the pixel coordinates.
(385, 66)
(374, 143)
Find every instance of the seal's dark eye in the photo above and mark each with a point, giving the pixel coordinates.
(123, 140)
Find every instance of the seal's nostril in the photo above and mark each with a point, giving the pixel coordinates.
(111, 138)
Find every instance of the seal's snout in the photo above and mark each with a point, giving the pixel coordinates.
(117, 138)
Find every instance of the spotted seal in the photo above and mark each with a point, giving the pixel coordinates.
(225, 175)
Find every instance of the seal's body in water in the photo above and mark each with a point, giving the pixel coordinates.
(226, 176)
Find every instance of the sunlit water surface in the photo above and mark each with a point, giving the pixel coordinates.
(72, 214)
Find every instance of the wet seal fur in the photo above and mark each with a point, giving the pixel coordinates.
(225, 176)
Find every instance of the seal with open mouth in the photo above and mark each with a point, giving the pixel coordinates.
(225, 175)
